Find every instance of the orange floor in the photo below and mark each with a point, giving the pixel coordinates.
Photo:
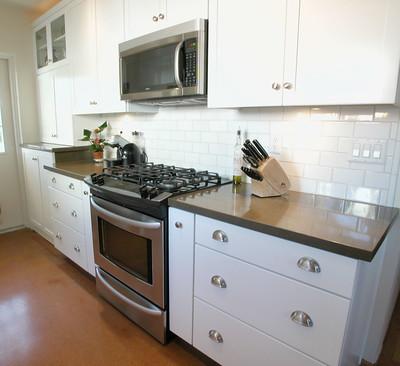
(50, 315)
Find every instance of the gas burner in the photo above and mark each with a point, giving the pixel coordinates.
(156, 180)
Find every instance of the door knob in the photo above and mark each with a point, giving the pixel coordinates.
(178, 225)
(161, 16)
(155, 19)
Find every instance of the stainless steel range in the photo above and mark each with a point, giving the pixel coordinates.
(130, 223)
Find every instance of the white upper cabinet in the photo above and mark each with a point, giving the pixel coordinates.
(142, 17)
(348, 53)
(47, 112)
(50, 42)
(306, 52)
(246, 52)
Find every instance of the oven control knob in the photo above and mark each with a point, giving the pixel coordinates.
(178, 225)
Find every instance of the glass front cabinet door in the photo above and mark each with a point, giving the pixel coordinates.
(50, 43)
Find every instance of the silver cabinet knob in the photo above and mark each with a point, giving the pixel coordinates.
(219, 235)
(56, 204)
(215, 336)
(85, 193)
(301, 318)
(54, 135)
(218, 281)
(59, 236)
(74, 214)
(309, 265)
(155, 19)
(35, 159)
(77, 249)
(71, 186)
(276, 86)
(53, 180)
(287, 86)
(93, 102)
(161, 16)
(178, 225)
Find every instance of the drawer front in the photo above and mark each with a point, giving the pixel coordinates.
(65, 184)
(70, 243)
(66, 209)
(267, 301)
(336, 273)
(241, 344)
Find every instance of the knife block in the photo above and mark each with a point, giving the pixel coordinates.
(275, 181)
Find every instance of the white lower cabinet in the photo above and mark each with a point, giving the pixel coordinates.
(240, 297)
(234, 343)
(69, 205)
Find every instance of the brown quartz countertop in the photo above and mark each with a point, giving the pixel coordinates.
(345, 227)
(76, 169)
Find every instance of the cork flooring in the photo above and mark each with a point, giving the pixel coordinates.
(50, 315)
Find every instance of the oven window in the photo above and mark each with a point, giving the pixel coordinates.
(149, 70)
(126, 250)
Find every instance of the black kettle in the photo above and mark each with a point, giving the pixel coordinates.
(131, 154)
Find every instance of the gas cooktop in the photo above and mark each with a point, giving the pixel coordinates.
(149, 182)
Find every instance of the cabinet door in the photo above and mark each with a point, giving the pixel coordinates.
(47, 111)
(246, 53)
(58, 42)
(348, 53)
(42, 49)
(109, 33)
(176, 13)
(82, 51)
(33, 187)
(181, 262)
(141, 17)
(63, 105)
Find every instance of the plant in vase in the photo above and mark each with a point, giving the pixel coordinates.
(97, 142)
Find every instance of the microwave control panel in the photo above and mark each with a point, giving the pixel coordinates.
(190, 62)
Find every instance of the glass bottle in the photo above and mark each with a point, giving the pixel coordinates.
(237, 159)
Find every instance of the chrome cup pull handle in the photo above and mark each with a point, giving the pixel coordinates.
(56, 204)
(301, 318)
(58, 236)
(218, 281)
(219, 235)
(74, 214)
(309, 265)
(71, 186)
(215, 336)
(53, 180)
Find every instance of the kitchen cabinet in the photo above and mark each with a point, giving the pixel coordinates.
(69, 204)
(308, 53)
(35, 190)
(55, 106)
(146, 17)
(50, 42)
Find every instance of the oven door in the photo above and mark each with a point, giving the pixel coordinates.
(166, 64)
(130, 246)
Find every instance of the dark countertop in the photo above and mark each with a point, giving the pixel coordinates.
(76, 169)
(345, 227)
(52, 147)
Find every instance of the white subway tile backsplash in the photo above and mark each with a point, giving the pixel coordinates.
(372, 130)
(314, 145)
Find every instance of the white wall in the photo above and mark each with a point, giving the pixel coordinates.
(16, 39)
(314, 144)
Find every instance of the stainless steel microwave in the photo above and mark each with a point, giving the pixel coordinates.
(166, 67)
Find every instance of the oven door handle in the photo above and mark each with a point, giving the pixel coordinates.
(114, 217)
(124, 298)
(176, 65)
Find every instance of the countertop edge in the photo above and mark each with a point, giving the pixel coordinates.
(310, 241)
(64, 172)
(54, 149)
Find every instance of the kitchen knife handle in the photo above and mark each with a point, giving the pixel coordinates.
(253, 150)
(261, 149)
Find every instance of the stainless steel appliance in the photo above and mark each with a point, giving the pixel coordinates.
(129, 219)
(166, 67)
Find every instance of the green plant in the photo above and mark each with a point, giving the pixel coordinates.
(97, 143)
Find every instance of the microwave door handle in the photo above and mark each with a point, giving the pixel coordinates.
(177, 74)
(117, 218)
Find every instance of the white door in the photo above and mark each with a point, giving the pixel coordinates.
(348, 53)
(81, 38)
(10, 190)
(176, 13)
(47, 112)
(246, 52)
(109, 33)
(141, 17)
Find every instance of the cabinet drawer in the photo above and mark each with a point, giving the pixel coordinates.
(66, 209)
(241, 344)
(267, 301)
(70, 243)
(337, 273)
(65, 184)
